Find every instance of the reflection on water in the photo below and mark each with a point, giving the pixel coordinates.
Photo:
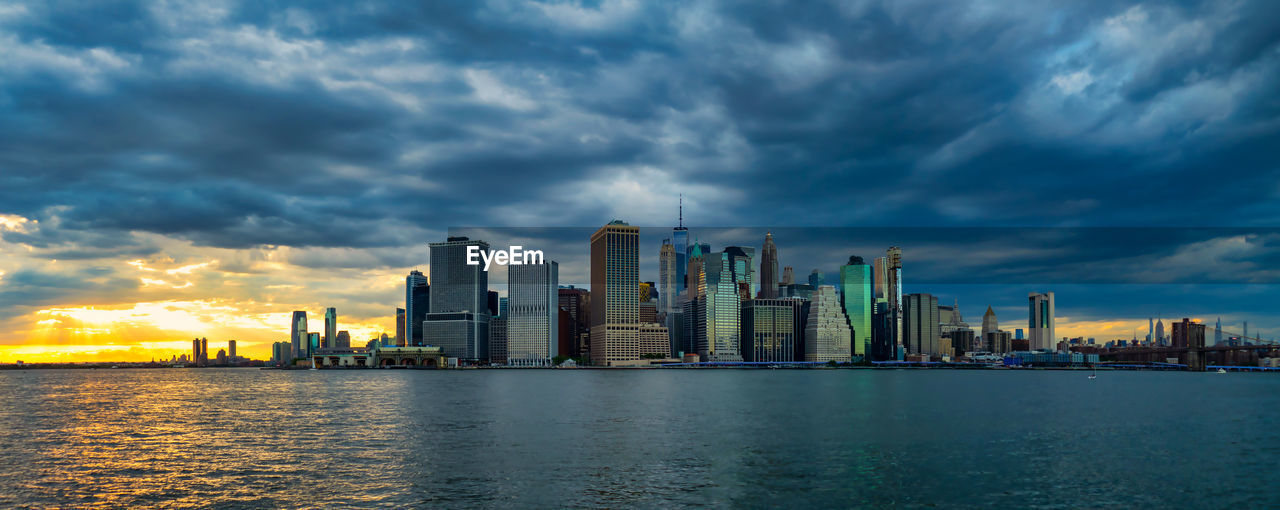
(253, 438)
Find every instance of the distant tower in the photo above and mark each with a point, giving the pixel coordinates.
(231, 350)
(298, 335)
(989, 322)
(816, 278)
(330, 327)
(1041, 321)
(400, 324)
(417, 302)
(1159, 332)
(856, 298)
(1245, 334)
(1217, 332)
(533, 311)
(680, 244)
(768, 268)
(788, 276)
(826, 334)
(1151, 330)
(668, 278)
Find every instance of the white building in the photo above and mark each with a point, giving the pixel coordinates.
(532, 313)
(827, 336)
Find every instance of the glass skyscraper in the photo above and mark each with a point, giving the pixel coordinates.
(1040, 321)
(458, 315)
(417, 301)
(298, 335)
(858, 303)
(532, 313)
(330, 339)
(712, 313)
(615, 294)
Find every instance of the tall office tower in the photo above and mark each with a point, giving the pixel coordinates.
(997, 342)
(800, 321)
(768, 268)
(668, 297)
(654, 340)
(768, 330)
(816, 278)
(1217, 332)
(945, 312)
(713, 311)
(1244, 335)
(298, 335)
(881, 331)
(1017, 333)
(893, 294)
(458, 318)
(330, 327)
(1160, 332)
(576, 303)
(344, 340)
(498, 340)
(615, 294)
(222, 357)
(648, 312)
(417, 302)
(533, 313)
(503, 305)
(400, 323)
(920, 326)
(1151, 330)
(493, 303)
(1041, 321)
(957, 330)
(313, 343)
(989, 322)
(855, 298)
(195, 350)
(826, 334)
(680, 244)
(788, 276)
(204, 351)
(231, 350)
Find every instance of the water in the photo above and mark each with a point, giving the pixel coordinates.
(630, 438)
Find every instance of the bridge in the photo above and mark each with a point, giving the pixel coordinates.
(1195, 358)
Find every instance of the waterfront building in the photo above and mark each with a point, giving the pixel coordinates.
(882, 341)
(712, 312)
(654, 340)
(999, 342)
(313, 343)
(1187, 334)
(204, 351)
(458, 317)
(344, 340)
(826, 336)
(576, 332)
(498, 340)
(231, 350)
(615, 294)
(887, 281)
(768, 268)
(297, 335)
(417, 302)
(855, 298)
(1160, 332)
(768, 329)
(195, 350)
(222, 357)
(1041, 323)
(532, 316)
(920, 327)
(330, 327)
(400, 323)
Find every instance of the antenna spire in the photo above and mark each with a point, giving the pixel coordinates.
(682, 209)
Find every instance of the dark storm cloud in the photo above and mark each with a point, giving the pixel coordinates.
(374, 126)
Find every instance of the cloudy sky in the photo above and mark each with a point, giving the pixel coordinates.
(172, 169)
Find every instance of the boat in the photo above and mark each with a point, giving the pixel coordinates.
(1222, 370)
(1094, 375)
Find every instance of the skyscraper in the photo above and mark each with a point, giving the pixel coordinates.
(330, 328)
(816, 278)
(458, 318)
(887, 272)
(498, 340)
(343, 340)
(855, 298)
(298, 335)
(713, 311)
(400, 325)
(532, 317)
(920, 328)
(989, 322)
(231, 350)
(576, 304)
(417, 302)
(680, 244)
(768, 329)
(669, 290)
(195, 350)
(788, 276)
(1217, 332)
(1041, 321)
(313, 343)
(769, 268)
(742, 263)
(615, 294)
(826, 335)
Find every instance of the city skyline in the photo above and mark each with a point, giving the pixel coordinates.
(172, 173)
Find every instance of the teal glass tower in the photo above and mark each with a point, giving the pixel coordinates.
(857, 301)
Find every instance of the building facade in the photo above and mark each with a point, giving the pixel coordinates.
(920, 326)
(1041, 321)
(615, 294)
(458, 315)
(533, 306)
(768, 329)
(417, 302)
(826, 336)
(857, 301)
